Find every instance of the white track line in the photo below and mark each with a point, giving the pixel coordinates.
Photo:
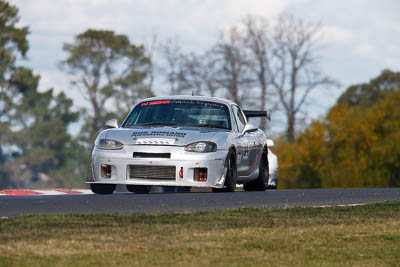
(84, 191)
(340, 205)
(49, 192)
(52, 192)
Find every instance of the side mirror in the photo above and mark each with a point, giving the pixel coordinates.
(269, 113)
(270, 143)
(250, 127)
(112, 124)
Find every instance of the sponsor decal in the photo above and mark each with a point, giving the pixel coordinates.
(198, 102)
(159, 133)
(184, 101)
(155, 102)
(155, 141)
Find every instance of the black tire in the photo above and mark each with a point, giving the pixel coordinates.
(231, 174)
(104, 189)
(138, 189)
(261, 183)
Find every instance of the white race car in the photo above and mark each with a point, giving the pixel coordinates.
(183, 141)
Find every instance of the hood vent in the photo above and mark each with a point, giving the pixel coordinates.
(151, 155)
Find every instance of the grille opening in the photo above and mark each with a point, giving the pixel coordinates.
(151, 155)
(152, 172)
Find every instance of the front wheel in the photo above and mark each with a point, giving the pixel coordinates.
(104, 189)
(139, 189)
(230, 174)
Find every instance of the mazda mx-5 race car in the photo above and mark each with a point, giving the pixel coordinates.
(183, 141)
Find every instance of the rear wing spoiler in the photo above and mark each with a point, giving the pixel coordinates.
(257, 113)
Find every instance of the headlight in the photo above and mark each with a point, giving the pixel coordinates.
(201, 147)
(109, 144)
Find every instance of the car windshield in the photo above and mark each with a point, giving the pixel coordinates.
(193, 113)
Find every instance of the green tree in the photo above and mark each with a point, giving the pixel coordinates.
(35, 147)
(367, 94)
(5, 180)
(386, 153)
(356, 145)
(363, 130)
(39, 130)
(364, 148)
(302, 164)
(13, 43)
(74, 170)
(110, 73)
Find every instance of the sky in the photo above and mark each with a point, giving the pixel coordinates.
(360, 38)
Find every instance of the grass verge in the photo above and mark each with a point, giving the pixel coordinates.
(337, 236)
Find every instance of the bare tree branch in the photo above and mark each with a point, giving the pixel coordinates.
(295, 76)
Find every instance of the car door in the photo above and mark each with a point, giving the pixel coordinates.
(242, 143)
(251, 146)
(255, 147)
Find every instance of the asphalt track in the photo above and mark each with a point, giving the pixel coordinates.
(177, 202)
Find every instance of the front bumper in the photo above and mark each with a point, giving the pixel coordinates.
(121, 160)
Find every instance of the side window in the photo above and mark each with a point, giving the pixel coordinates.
(241, 117)
(234, 121)
(240, 120)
